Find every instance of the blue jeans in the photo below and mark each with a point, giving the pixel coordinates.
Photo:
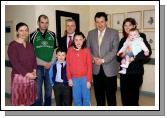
(130, 54)
(81, 94)
(43, 76)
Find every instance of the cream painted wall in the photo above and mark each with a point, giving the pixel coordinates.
(29, 15)
(109, 9)
(15, 14)
(149, 78)
(21, 13)
(7, 79)
(50, 11)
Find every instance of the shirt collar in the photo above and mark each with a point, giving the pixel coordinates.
(71, 34)
(102, 31)
(58, 62)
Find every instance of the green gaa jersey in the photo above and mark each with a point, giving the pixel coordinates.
(44, 44)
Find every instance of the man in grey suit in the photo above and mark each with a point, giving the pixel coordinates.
(103, 43)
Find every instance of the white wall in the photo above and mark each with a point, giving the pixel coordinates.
(30, 13)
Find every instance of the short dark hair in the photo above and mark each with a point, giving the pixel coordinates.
(70, 20)
(20, 24)
(60, 50)
(42, 16)
(84, 43)
(101, 14)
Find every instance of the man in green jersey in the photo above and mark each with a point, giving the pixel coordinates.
(44, 42)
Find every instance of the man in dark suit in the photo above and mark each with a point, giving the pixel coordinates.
(103, 43)
(66, 40)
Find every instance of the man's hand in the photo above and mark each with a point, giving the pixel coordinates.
(98, 61)
(47, 65)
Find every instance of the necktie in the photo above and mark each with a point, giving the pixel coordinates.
(61, 71)
(100, 38)
(70, 41)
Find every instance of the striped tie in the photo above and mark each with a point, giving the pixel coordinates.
(70, 41)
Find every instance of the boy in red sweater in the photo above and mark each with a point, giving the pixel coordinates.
(79, 70)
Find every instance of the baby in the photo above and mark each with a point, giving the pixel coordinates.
(132, 46)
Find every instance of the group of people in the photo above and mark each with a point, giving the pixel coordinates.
(68, 67)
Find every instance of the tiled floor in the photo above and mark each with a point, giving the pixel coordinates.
(145, 100)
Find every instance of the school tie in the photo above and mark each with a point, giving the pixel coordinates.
(70, 41)
(61, 71)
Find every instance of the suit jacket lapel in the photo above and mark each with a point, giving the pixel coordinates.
(66, 41)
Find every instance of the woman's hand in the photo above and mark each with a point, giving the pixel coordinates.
(146, 53)
(34, 73)
(121, 54)
(70, 83)
(88, 84)
(118, 54)
(30, 76)
(131, 59)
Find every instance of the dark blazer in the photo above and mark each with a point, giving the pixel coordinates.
(136, 66)
(108, 50)
(53, 72)
(63, 43)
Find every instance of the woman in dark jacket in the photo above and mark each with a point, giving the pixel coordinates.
(131, 82)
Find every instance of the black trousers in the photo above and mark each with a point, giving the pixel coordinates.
(130, 87)
(105, 87)
(63, 94)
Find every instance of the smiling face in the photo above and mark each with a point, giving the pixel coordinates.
(100, 23)
(70, 27)
(78, 40)
(133, 34)
(128, 26)
(61, 56)
(22, 32)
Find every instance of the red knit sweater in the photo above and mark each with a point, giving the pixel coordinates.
(79, 63)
